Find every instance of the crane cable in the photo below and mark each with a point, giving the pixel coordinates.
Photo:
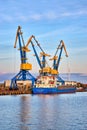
(38, 44)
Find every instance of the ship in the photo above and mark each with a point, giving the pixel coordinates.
(51, 85)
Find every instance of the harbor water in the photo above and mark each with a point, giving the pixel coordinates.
(44, 112)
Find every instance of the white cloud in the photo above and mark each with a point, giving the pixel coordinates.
(36, 16)
(49, 15)
(5, 17)
(61, 32)
(76, 13)
(55, 15)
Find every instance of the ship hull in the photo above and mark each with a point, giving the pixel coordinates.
(53, 90)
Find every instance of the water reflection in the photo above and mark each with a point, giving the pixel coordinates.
(24, 112)
(44, 112)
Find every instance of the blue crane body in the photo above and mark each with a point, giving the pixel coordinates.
(56, 64)
(56, 60)
(42, 63)
(61, 47)
(24, 67)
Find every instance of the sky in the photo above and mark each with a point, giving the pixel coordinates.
(50, 21)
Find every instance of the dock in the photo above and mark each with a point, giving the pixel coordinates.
(27, 90)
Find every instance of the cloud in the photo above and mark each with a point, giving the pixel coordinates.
(15, 11)
(51, 33)
(76, 13)
(36, 16)
(61, 31)
(6, 17)
(52, 15)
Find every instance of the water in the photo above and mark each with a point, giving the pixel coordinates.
(44, 112)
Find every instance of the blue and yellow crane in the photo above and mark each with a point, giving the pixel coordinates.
(24, 73)
(42, 63)
(56, 60)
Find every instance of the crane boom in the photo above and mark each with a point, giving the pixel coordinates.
(25, 47)
(19, 37)
(35, 52)
(37, 57)
(55, 58)
(29, 40)
(61, 46)
(42, 63)
(64, 47)
(58, 61)
(38, 44)
(18, 31)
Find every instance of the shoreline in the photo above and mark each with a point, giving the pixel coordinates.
(23, 90)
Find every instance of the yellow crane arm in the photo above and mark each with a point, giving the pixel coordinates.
(54, 58)
(18, 30)
(25, 47)
(44, 54)
(29, 40)
(64, 47)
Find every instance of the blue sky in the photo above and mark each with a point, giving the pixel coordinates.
(50, 21)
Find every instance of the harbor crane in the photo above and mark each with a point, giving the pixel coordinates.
(24, 73)
(42, 63)
(56, 60)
